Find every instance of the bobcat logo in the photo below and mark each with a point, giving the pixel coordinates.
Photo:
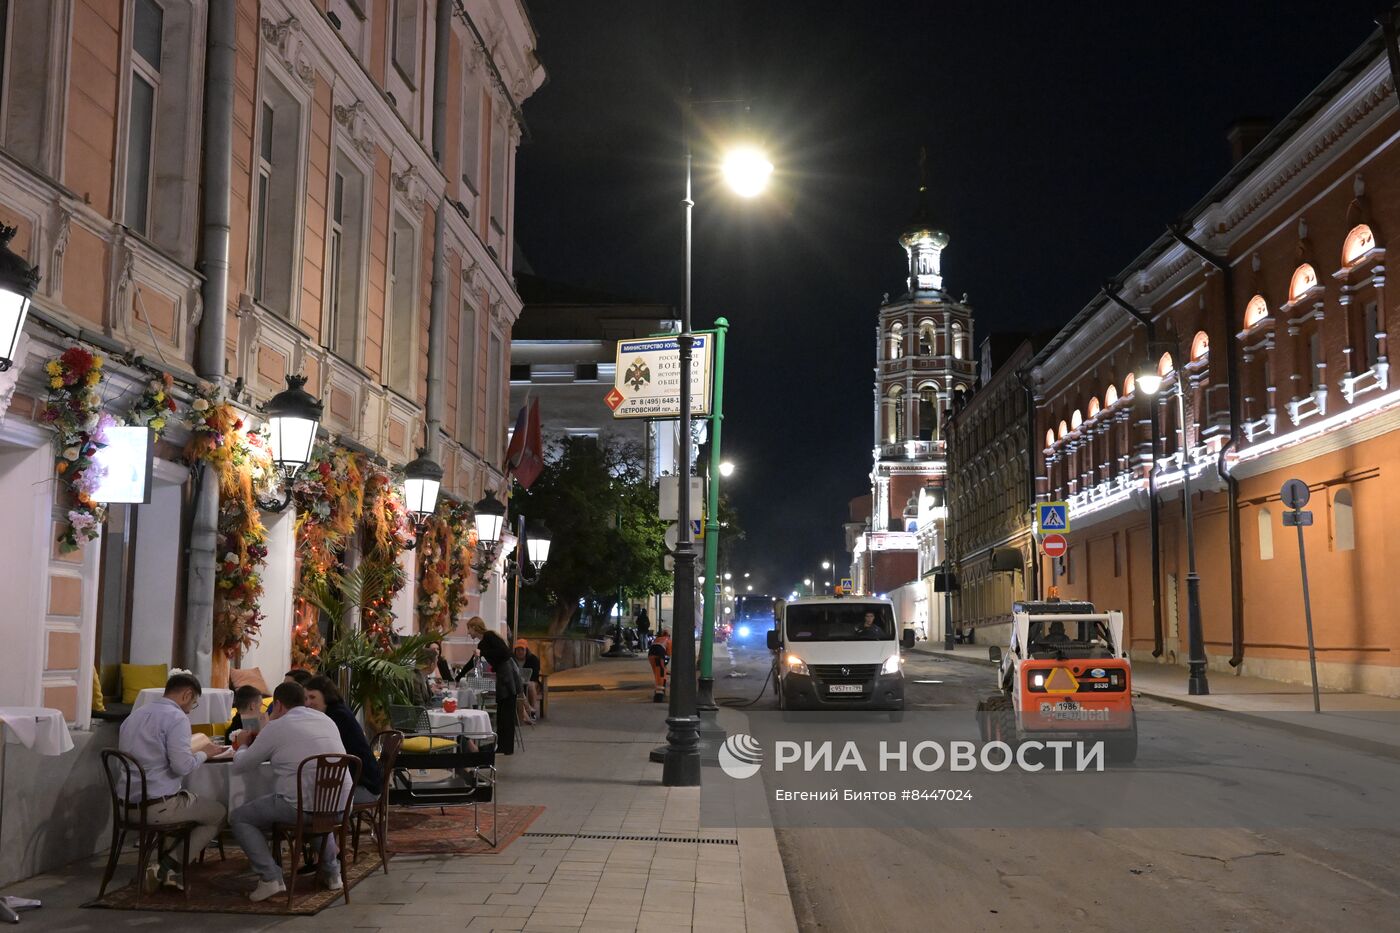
(638, 375)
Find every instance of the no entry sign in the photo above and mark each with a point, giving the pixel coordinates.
(1054, 545)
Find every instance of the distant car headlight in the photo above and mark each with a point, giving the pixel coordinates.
(744, 631)
(892, 664)
(794, 664)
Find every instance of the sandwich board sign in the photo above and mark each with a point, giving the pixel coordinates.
(647, 381)
(1052, 517)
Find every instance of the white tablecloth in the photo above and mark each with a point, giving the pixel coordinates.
(215, 704)
(472, 722)
(36, 727)
(215, 780)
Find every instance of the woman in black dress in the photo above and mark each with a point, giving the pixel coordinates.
(497, 653)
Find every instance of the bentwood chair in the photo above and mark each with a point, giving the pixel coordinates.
(323, 809)
(124, 775)
(376, 812)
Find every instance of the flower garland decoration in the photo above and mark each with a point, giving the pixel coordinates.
(243, 464)
(329, 495)
(388, 533)
(156, 406)
(74, 408)
(445, 549)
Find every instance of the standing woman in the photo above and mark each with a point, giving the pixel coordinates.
(497, 653)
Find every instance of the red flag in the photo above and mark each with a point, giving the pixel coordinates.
(525, 458)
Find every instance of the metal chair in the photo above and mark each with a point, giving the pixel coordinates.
(472, 782)
(376, 812)
(122, 772)
(325, 811)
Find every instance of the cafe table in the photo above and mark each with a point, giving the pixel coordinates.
(215, 780)
(215, 705)
(473, 723)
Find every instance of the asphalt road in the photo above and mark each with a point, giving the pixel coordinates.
(1223, 878)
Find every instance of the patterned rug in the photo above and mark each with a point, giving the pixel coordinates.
(222, 887)
(434, 831)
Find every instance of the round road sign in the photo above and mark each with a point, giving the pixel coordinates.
(1054, 545)
(1295, 494)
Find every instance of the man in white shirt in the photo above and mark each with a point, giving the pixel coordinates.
(294, 732)
(158, 736)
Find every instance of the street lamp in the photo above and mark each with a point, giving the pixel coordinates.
(422, 478)
(293, 418)
(1149, 380)
(726, 469)
(747, 171)
(489, 517)
(18, 279)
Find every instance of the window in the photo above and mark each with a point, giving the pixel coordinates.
(494, 403)
(1304, 280)
(1371, 342)
(1359, 242)
(146, 33)
(1117, 556)
(1049, 439)
(1093, 407)
(1200, 346)
(468, 377)
(1164, 365)
(1266, 535)
(926, 338)
(519, 372)
(400, 340)
(273, 253)
(928, 412)
(471, 129)
(1110, 396)
(1129, 384)
(896, 347)
(586, 372)
(406, 29)
(959, 348)
(1343, 522)
(894, 414)
(1064, 429)
(1315, 361)
(348, 16)
(1075, 420)
(1255, 311)
(498, 175)
(344, 249)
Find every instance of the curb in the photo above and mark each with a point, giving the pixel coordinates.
(592, 688)
(952, 657)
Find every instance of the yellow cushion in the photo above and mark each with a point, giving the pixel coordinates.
(138, 677)
(99, 705)
(425, 743)
(204, 728)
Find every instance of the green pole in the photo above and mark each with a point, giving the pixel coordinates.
(712, 581)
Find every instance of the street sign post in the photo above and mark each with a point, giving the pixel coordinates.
(1054, 545)
(647, 381)
(1051, 517)
(1295, 495)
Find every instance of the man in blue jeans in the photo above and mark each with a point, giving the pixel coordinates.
(294, 732)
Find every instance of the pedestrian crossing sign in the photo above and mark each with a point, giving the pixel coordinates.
(1052, 517)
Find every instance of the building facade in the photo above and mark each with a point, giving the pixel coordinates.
(923, 362)
(1272, 319)
(990, 490)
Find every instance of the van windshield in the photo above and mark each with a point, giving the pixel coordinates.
(840, 622)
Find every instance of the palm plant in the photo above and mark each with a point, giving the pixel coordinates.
(379, 675)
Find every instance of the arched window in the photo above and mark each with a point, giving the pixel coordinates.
(1129, 383)
(1304, 279)
(1255, 311)
(1358, 243)
(1075, 420)
(1343, 522)
(926, 338)
(1064, 429)
(1110, 396)
(1200, 346)
(928, 409)
(896, 348)
(1093, 407)
(1266, 535)
(1164, 365)
(1049, 438)
(894, 415)
(959, 350)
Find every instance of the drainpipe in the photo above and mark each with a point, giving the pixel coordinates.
(1154, 512)
(197, 629)
(437, 330)
(1222, 465)
(1023, 377)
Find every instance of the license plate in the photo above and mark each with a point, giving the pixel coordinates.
(844, 688)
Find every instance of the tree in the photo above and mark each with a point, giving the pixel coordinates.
(602, 516)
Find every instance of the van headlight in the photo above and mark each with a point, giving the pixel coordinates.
(893, 664)
(794, 664)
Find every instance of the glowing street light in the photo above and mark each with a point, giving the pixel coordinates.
(726, 469)
(747, 170)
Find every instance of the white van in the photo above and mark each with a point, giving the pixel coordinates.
(838, 653)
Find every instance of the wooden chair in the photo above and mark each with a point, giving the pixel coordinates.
(124, 774)
(376, 812)
(325, 811)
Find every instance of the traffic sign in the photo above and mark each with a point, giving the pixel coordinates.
(1054, 545)
(1052, 516)
(1295, 494)
(647, 378)
(1297, 518)
(613, 399)
(847, 585)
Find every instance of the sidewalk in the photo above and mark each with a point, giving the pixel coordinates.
(613, 851)
(625, 673)
(1359, 720)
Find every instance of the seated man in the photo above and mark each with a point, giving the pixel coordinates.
(158, 736)
(247, 710)
(870, 628)
(294, 732)
(297, 675)
(530, 673)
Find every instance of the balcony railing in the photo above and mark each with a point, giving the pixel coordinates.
(911, 450)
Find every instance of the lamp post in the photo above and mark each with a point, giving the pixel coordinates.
(747, 172)
(422, 478)
(1150, 380)
(705, 701)
(489, 517)
(531, 553)
(293, 418)
(18, 279)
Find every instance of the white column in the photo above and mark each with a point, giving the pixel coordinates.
(273, 652)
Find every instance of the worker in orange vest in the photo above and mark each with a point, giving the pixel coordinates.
(658, 655)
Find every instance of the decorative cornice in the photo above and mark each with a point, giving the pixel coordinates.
(358, 126)
(411, 185)
(286, 37)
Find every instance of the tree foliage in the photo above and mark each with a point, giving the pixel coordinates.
(602, 516)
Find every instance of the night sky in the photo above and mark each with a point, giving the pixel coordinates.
(1062, 138)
